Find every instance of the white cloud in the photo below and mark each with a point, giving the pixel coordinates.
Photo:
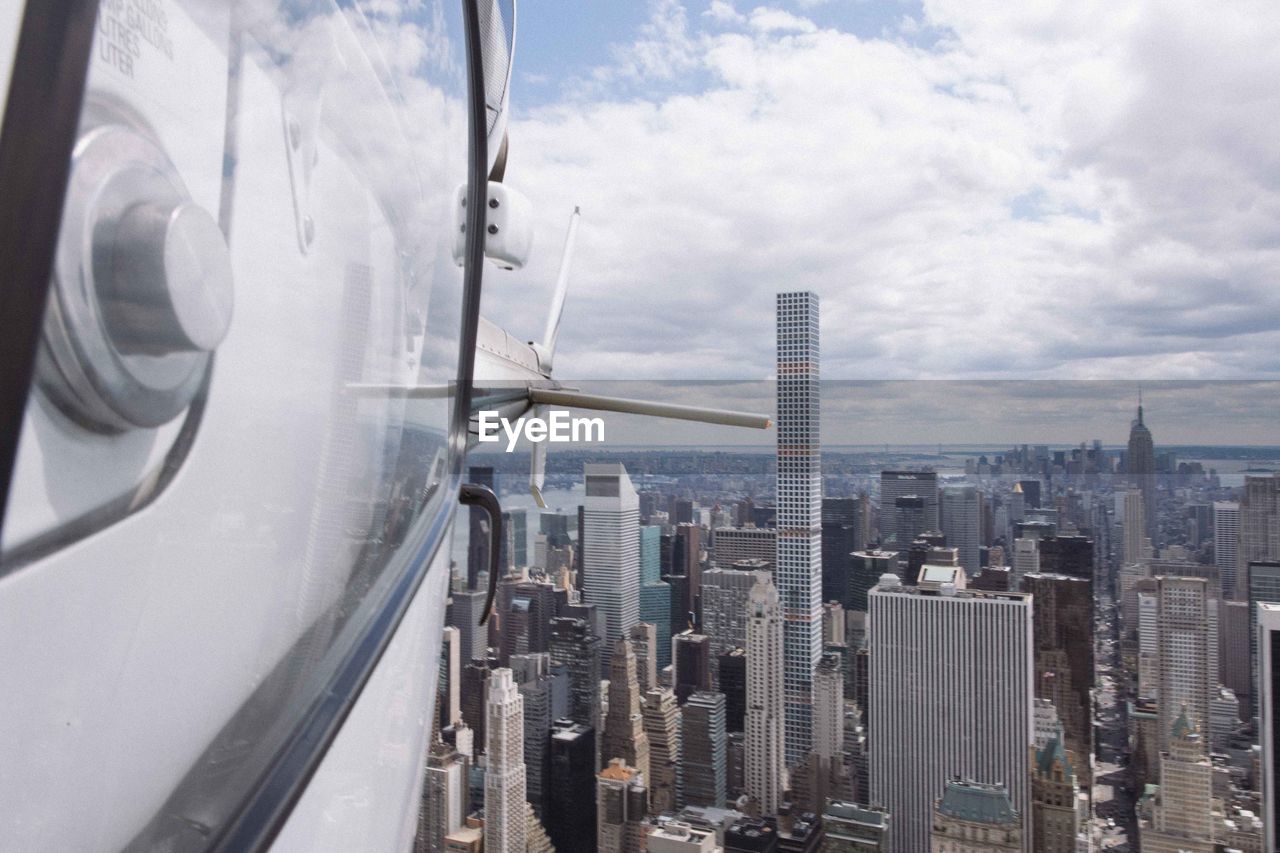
(1053, 189)
(766, 20)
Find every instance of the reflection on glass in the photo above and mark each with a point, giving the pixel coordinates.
(188, 577)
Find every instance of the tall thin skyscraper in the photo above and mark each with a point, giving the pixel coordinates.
(1269, 719)
(1141, 462)
(840, 538)
(950, 694)
(765, 742)
(799, 511)
(624, 735)
(1263, 577)
(1259, 537)
(505, 826)
(449, 689)
(962, 524)
(611, 556)
(444, 797)
(644, 642)
(704, 750)
(655, 594)
(1135, 527)
(662, 725)
(1226, 538)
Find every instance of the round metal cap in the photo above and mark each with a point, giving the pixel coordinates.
(142, 287)
(170, 284)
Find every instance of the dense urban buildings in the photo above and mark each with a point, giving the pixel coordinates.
(1012, 649)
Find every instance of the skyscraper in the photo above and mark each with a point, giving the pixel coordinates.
(1187, 626)
(624, 735)
(840, 539)
(505, 827)
(724, 611)
(574, 646)
(1134, 517)
(611, 556)
(703, 750)
(444, 797)
(950, 693)
(1263, 585)
(1259, 537)
(732, 675)
(1183, 817)
(799, 516)
(691, 654)
(465, 609)
(662, 725)
(902, 484)
(1269, 719)
(962, 524)
(864, 574)
(644, 642)
(1062, 619)
(1060, 812)
(538, 688)
(449, 689)
(686, 556)
(1141, 462)
(1226, 537)
(622, 803)
(570, 822)
(655, 594)
(513, 551)
(734, 544)
(766, 714)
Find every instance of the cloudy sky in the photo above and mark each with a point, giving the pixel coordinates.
(976, 189)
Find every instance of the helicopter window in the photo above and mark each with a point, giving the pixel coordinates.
(240, 452)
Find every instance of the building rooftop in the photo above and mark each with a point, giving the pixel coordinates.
(1052, 753)
(977, 802)
(856, 814)
(618, 771)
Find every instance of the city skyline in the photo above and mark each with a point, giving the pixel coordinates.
(989, 413)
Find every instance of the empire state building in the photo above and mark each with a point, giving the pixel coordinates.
(1142, 470)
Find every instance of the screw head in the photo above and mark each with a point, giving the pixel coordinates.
(493, 229)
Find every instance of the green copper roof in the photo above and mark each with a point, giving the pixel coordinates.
(1053, 751)
(1182, 727)
(978, 803)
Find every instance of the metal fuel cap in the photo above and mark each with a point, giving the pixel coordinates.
(143, 291)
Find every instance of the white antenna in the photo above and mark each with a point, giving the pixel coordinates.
(546, 350)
